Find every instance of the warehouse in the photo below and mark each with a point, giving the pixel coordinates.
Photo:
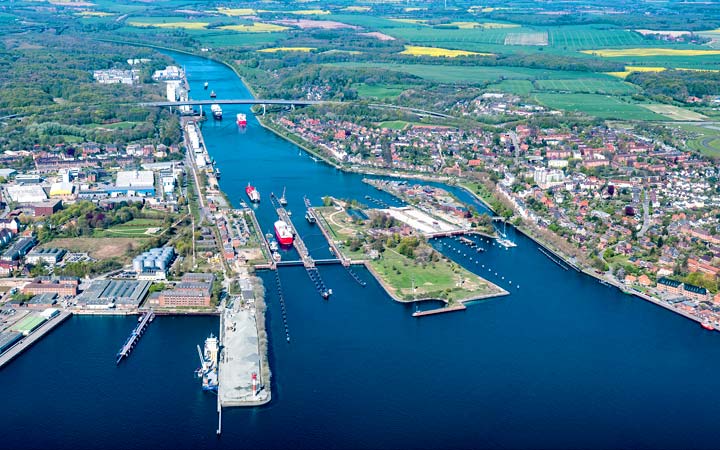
(104, 294)
(134, 182)
(27, 194)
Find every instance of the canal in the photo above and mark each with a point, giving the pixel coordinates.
(562, 362)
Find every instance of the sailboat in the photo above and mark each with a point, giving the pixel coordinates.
(282, 199)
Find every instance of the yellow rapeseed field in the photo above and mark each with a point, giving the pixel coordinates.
(236, 12)
(186, 25)
(256, 27)
(287, 49)
(435, 51)
(629, 69)
(610, 53)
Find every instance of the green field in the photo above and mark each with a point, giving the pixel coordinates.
(379, 92)
(394, 124)
(474, 74)
(136, 228)
(602, 106)
(518, 87)
(590, 86)
(705, 140)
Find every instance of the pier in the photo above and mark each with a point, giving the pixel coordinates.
(145, 320)
(24, 343)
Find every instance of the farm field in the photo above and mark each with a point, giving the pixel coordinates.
(590, 86)
(226, 39)
(474, 74)
(602, 106)
(255, 27)
(287, 49)
(539, 38)
(518, 87)
(612, 53)
(676, 113)
(438, 52)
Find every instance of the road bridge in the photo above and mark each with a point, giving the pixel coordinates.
(238, 101)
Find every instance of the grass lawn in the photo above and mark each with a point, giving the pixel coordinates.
(394, 124)
(705, 140)
(603, 106)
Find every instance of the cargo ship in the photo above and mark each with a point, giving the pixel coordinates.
(252, 194)
(241, 119)
(216, 111)
(208, 370)
(283, 232)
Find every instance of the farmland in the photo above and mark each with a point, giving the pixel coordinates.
(287, 49)
(612, 53)
(439, 52)
(602, 106)
(674, 113)
(255, 27)
(587, 85)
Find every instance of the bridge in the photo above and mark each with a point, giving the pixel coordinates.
(238, 101)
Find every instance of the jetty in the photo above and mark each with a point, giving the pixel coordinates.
(135, 336)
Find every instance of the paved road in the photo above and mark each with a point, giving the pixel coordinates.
(646, 214)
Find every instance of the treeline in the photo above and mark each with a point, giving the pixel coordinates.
(677, 84)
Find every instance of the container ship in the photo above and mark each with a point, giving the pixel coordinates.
(283, 232)
(216, 111)
(208, 370)
(241, 119)
(252, 194)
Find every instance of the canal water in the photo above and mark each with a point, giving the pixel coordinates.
(562, 362)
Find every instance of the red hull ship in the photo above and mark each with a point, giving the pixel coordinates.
(283, 233)
(252, 194)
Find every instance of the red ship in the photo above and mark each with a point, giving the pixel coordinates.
(283, 232)
(241, 119)
(252, 194)
(707, 326)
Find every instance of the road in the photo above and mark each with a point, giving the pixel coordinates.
(646, 215)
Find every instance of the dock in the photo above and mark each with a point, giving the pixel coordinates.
(24, 343)
(447, 309)
(145, 320)
(263, 242)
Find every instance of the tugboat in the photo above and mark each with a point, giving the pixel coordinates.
(208, 370)
(212, 94)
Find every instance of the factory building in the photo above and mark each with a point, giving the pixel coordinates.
(195, 289)
(19, 249)
(62, 286)
(134, 183)
(27, 193)
(106, 294)
(48, 255)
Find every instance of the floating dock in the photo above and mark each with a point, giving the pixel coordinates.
(33, 337)
(142, 325)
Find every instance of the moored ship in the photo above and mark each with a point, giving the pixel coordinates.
(216, 111)
(208, 370)
(241, 119)
(252, 193)
(283, 232)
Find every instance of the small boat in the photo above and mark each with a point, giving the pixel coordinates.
(213, 94)
(268, 236)
(241, 119)
(707, 326)
(216, 111)
(243, 204)
(273, 245)
(205, 85)
(282, 199)
(277, 256)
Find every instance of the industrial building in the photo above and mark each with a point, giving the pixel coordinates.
(8, 339)
(48, 255)
(46, 208)
(19, 249)
(106, 294)
(62, 286)
(27, 193)
(195, 289)
(134, 183)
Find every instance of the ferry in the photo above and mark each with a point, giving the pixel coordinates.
(283, 232)
(213, 94)
(216, 111)
(309, 217)
(252, 193)
(208, 370)
(241, 119)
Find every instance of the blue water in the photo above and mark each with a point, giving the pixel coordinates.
(563, 362)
